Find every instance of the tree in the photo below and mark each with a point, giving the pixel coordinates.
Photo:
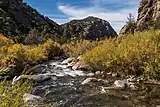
(131, 23)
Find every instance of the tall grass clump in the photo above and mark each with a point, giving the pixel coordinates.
(129, 54)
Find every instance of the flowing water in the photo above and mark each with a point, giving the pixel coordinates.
(66, 89)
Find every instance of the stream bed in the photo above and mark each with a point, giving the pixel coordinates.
(76, 88)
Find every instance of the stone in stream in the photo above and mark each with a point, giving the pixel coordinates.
(115, 75)
(120, 84)
(80, 65)
(90, 74)
(88, 80)
(98, 72)
(31, 100)
(36, 78)
(123, 84)
(69, 60)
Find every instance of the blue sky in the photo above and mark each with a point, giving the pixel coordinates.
(62, 11)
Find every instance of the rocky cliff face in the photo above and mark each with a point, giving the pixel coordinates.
(88, 28)
(148, 16)
(17, 18)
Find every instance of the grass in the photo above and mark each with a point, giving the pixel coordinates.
(12, 96)
(137, 54)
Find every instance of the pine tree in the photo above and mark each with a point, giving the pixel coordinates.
(131, 23)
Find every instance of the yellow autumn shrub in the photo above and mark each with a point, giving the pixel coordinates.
(79, 47)
(29, 53)
(131, 54)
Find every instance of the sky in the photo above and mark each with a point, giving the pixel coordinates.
(62, 11)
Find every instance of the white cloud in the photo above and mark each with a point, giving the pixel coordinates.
(116, 18)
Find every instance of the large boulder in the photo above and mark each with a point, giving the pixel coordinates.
(88, 28)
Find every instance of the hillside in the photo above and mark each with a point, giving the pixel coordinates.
(18, 18)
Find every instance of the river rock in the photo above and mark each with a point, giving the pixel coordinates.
(69, 60)
(124, 84)
(115, 74)
(80, 65)
(31, 100)
(120, 84)
(36, 78)
(88, 80)
(133, 87)
(98, 72)
(90, 74)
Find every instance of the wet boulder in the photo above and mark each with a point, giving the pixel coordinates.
(80, 65)
(35, 78)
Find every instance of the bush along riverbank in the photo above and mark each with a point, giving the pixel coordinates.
(137, 54)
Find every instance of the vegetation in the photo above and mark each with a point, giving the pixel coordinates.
(13, 54)
(77, 48)
(130, 54)
(131, 23)
(137, 54)
(11, 96)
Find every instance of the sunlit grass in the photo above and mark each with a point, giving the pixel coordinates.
(12, 95)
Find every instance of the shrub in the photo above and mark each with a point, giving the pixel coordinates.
(79, 47)
(131, 54)
(32, 54)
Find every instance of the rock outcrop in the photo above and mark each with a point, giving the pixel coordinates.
(148, 16)
(18, 18)
(88, 28)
